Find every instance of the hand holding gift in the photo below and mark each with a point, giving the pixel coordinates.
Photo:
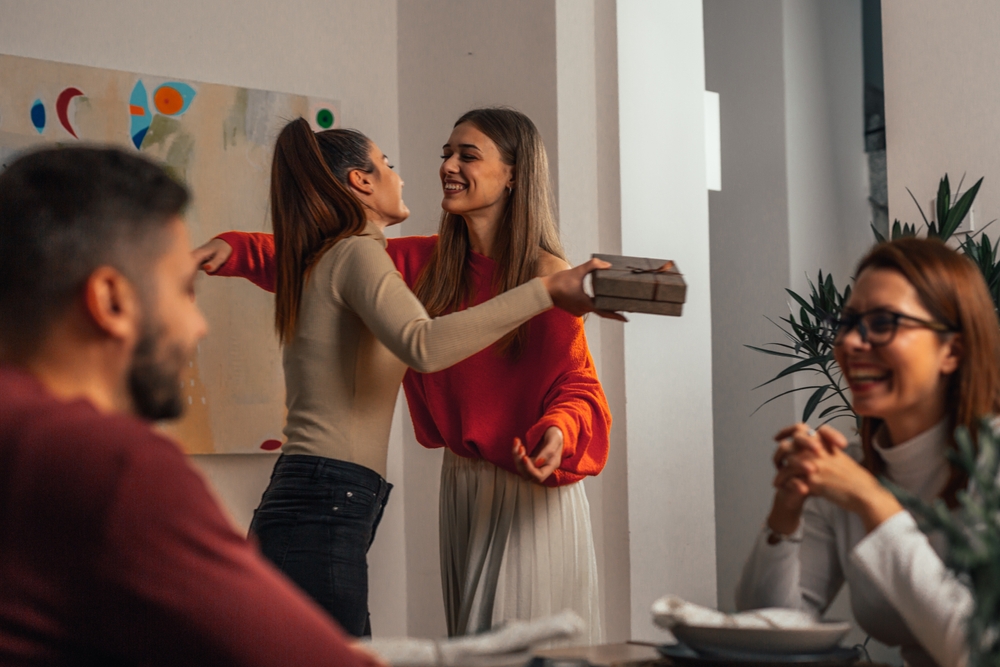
(639, 285)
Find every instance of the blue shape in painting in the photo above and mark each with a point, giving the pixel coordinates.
(139, 111)
(38, 116)
(139, 136)
(173, 98)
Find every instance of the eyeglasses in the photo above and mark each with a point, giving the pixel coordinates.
(878, 327)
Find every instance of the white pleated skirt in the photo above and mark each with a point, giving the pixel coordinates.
(514, 550)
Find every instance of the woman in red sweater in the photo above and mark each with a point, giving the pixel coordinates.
(522, 421)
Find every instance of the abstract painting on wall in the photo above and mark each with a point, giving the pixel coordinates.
(218, 140)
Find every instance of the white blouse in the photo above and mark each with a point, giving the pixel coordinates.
(901, 592)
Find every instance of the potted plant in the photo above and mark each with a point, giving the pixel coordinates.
(808, 335)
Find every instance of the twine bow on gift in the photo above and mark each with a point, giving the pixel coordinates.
(667, 268)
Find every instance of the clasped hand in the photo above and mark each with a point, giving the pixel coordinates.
(814, 463)
(546, 458)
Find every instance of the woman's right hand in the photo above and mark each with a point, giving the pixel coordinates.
(566, 290)
(792, 488)
(212, 255)
(791, 491)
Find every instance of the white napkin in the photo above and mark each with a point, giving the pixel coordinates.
(671, 610)
(509, 645)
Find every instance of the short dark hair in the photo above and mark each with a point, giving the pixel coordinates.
(64, 212)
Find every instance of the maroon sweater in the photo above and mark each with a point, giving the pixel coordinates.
(113, 551)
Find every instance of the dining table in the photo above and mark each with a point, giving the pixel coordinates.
(646, 654)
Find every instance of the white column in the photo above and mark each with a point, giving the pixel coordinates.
(589, 222)
(668, 361)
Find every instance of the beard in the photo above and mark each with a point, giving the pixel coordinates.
(154, 380)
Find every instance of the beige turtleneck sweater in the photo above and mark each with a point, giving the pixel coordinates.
(358, 328)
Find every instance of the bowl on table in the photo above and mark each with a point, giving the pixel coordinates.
(818, 638)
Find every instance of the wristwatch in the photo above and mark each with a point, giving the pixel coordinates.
(774, 537)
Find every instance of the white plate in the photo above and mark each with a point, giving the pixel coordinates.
(816, 639)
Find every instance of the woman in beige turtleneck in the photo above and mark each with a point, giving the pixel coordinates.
(349, 327)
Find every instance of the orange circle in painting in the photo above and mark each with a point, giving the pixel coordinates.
(168, 101)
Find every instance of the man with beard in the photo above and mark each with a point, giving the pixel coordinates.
(112, 550)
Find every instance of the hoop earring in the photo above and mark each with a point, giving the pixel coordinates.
(510, 191)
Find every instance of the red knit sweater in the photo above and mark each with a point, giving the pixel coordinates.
(113, 551)
(478, 406)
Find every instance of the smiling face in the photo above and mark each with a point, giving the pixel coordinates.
(386, 197)
(474, 177)
(904, 382)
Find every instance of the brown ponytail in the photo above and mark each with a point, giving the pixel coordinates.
(311, 209)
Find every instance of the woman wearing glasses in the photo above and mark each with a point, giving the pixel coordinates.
(918, 345)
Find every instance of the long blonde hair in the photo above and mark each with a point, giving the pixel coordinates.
(527, 226)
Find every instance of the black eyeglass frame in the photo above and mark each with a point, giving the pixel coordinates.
(842, 326)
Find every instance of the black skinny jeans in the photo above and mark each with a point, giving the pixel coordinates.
(315, 522)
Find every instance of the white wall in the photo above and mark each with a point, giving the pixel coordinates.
(744, 63)
(456, 55)
(668, 361)
(790, 78)
(942, 92)
(789, 74)
(828, 213)
(589, 212)
(309, 47)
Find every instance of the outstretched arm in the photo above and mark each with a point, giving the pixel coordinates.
(252, 256)
(240, 254)
(364, 278)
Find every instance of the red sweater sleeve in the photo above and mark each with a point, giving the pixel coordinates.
(576, 404)
(252, 258)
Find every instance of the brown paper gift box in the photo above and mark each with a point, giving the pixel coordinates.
(639, 285)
